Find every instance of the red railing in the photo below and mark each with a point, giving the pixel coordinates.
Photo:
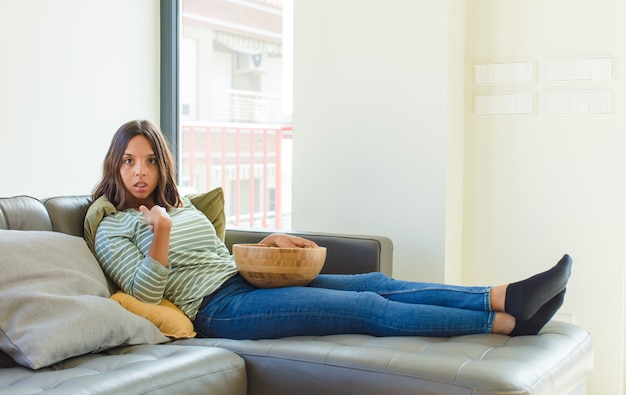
(246, 160)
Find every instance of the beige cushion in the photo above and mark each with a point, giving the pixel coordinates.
(55, 301)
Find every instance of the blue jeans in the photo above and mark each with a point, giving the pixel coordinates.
(370, 303)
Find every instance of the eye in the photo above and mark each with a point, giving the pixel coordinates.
(152, 161)
(127, 161)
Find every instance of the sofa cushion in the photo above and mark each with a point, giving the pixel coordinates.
(140, 369)
(557, 361)
(55, 301)
(67, 213)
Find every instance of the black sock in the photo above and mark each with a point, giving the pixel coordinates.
(525, 297)
(533, 325)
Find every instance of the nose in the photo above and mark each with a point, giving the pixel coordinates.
(139, 170)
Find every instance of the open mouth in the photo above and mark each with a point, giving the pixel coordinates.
(141, 186)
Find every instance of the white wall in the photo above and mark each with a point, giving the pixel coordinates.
(371, 124)
(72, 71)
(455, 143)
(538, 186)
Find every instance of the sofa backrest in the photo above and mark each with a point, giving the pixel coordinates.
(346, 253)
(23, 213)
(62, 214)
(67, 213)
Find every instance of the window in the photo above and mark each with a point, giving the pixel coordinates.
(234, 106)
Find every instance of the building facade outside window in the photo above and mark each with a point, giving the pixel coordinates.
(235, 106)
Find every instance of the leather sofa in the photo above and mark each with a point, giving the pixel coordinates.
(557, 361)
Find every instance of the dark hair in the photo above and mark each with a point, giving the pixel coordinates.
(166, 193)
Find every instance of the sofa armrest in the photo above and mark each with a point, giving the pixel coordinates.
(346, 254)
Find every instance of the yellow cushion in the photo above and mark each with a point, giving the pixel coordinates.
(170, 320)
(212, 205)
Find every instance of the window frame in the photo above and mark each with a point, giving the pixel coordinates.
(170, 24)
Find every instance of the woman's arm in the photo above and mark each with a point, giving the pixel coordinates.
(161, 226)
(121, 259)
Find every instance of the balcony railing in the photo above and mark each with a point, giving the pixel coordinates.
(251, 162)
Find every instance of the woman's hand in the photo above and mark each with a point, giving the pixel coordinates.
(287, 241)
(161, 226)
(157, 217)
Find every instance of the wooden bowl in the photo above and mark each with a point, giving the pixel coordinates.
(267, 266)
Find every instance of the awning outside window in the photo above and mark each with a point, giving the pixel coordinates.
(248, 45)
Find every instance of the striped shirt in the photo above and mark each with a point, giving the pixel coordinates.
(199, 262)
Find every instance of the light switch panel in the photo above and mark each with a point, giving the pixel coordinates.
(500, 104)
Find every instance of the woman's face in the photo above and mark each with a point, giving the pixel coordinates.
(139, 172)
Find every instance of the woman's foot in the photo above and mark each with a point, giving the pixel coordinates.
(533, 325)
(525, 298)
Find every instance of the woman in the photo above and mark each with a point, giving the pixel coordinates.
(154, 244)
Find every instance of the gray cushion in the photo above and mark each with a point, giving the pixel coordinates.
(141, 369)
(55, 301)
